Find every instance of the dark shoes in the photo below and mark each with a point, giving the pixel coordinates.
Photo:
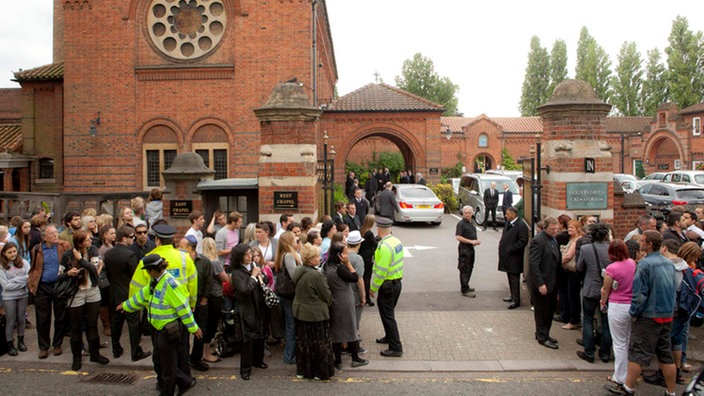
(657, 378)
(507, 299)
(117, 352)
(200, 366)
(558, 318)
(360, 363)
(513, 306)
(471, 290)
(382, 340)
(245, 376)
(20, 345)
(187, 388)
(141, 356)
(549, 344)
(262, 365)
(338, 366)
(11, 349)
(469, 294)
(585, 357)
(391, 353)
(370, 303)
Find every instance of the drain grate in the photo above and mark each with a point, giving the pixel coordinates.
(113, 378)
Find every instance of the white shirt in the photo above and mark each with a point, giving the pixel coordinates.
(199, 237)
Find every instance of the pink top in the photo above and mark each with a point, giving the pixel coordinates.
(622, 272)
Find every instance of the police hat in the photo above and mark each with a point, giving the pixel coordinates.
(383, 222)
(164, 231)
(152, 261)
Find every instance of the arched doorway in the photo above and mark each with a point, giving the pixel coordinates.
(663, 153)
(483, 162)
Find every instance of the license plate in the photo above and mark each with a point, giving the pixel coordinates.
(424, 206)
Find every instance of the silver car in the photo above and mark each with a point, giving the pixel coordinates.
(471, 192)
(417, 203)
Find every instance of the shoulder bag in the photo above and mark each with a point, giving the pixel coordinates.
(284, 284)
(572, 264)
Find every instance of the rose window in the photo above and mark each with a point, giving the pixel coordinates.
(186, 29)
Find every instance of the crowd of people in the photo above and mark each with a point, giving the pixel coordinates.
(629, 297)
(301, 285)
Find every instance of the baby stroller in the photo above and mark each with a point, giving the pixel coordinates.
(228, 338)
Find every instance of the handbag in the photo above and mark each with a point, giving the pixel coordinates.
(284, 284)
(66, 288)
(270, 298)
(572, 264)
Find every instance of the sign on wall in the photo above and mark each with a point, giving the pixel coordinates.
(181, 208)
(587, 196)
(285, 200)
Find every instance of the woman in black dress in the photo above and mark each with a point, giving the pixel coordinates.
(366, 250)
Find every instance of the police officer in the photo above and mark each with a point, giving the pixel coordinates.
(171, 319)
(386, 279)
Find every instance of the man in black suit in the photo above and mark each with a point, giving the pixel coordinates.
(361, 205)
(142, 245)
(511, 248)
(349, 185)
(545, 258)
(507, 201)
(351, 218)
(120, 264)
(491, 201)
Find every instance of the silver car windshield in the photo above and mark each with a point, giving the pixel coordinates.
(416, 193)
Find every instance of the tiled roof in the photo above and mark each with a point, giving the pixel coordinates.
(10, 137)
(520, 124)
(54, 71)
(455, 123)
(627, 124)
(697, 108)
(382, 97)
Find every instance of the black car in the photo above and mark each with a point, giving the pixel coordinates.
(663, 196)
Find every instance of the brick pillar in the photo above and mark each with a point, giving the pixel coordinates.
(287, 155)
(574, 131)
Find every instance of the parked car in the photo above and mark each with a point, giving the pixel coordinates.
(471, 192)
(629, 183)
(655, 176)
(513, 174)
(417, 203)
(663, 196)
(691, 177)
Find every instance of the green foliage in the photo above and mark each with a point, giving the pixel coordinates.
(418, 76)
(507, 161)
(447, 195)
(339, 194)
(558, 65)
(455, 171)
(361, 172)
(628, 81)
(593, 65)
(393, 161)
(685, 62)
(640, 172)
(654, 90)
(536, 83)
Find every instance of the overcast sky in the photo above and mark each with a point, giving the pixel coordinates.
(480, 46)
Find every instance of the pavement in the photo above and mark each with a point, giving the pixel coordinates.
(433, 341)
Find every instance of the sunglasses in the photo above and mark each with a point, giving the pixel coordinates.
(141, 232)
(130, 236)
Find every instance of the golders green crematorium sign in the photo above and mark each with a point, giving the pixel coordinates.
(587, 196)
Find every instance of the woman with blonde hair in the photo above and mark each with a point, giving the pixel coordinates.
(314, 356)
(572, 304)
(250, 233)
(209, 249)
(285, 263)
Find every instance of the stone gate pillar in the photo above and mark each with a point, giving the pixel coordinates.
(287, 154)
(181, 195)
(574, 146)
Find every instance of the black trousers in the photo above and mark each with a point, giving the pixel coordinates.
(169, 364)
(214, 315)
(89, 311)
(252, 353)
(544, 309)
(514, 286)
(201, 316)
(134, 329)
(389, 293)
(44, 301)
(492, 212)
(465, 263)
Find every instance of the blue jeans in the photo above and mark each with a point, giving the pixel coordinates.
(590, 307)
(289, 331)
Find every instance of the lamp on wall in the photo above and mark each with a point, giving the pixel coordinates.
(93, 131)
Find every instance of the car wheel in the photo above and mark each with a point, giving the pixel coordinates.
(220, 345)
(479, 217)
(435, 223)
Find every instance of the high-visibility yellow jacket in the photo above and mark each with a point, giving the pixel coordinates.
(181, 267)
(165, 303)
(388, 262)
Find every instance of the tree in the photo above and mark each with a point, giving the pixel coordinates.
(536, 83)
(593, 65)
(685, 63)
(558, 64)
(654, 91)
(507, 161)
(418, 76)
(628, 81)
